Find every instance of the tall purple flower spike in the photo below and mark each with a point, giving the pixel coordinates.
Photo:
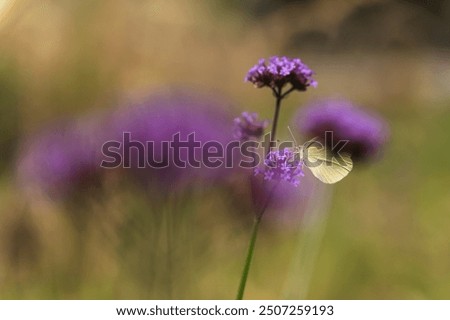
(280, 71)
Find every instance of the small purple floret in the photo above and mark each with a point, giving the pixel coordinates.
(282, 165)
(280, 71)
(247, 126)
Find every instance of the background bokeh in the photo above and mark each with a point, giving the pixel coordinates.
(387, 229)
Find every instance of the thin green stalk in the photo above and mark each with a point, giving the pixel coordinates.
(275, 122)
(251, 246)
(279, 96)
(248, 260)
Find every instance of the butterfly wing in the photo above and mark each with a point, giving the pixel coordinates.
(324, 166)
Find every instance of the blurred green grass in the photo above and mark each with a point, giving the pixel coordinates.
(387, 231)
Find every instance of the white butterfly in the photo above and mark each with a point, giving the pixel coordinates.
(323, 165)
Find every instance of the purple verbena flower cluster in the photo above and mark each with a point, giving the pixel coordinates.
(66, 157)
(282, 165)
(247, 126)
(366, 133)
(62, 158)
(280, 71)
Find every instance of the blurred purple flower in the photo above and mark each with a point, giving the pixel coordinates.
(282, 165)
(159, 118)
(59, 159)
(248, 126)
(366, 133)
(279, 71)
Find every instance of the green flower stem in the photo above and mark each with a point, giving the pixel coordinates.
(279, 95)
(275, 121)
(251, 246)
(248, 260)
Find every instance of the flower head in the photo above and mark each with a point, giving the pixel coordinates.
(280, 71)
(366, 133)
(162, 116)
(62, 159)
(67, 157)
(248, 126)
(282, 165)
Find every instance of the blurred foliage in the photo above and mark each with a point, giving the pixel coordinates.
(9, 111)
(387, 231)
